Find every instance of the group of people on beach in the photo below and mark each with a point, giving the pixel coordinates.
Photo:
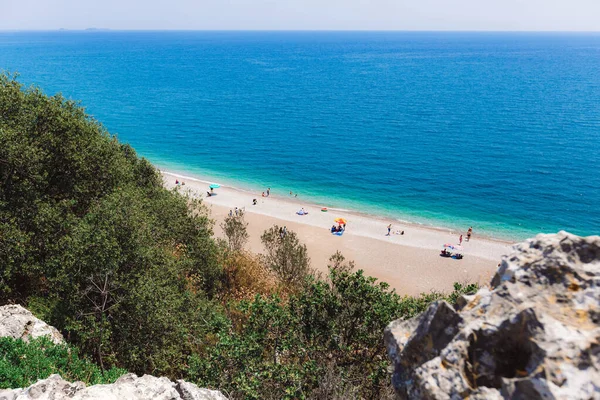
(469, 233)
(238, 212)
(268, 193)
(389, 229)
(182, 183)
(282, 232)
(338, 229)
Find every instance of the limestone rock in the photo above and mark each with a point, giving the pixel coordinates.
(17, 322)
(534, 335)
(129, 387)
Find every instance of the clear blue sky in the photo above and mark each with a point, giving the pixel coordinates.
(570, 15)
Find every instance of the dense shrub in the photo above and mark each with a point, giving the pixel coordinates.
(23, 363)
(285, 255)
(92, 242)
(324, 340)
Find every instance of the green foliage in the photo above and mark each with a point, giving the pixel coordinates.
(326, 339)
(337, 263)
(23, 363)
(235, 228)
(91, 239)
(91, 242)
(285, 255)
(462, 289)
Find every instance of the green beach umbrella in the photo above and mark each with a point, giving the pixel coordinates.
(214, 186)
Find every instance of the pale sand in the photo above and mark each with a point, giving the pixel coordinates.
(410, 263)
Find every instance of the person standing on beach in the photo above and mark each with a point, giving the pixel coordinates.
(389, 229)
(469, 233)
(231, 213)
(268, 191)
(460, 240)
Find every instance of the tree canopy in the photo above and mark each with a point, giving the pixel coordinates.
(91, 240)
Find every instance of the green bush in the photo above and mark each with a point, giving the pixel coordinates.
(327, 335)
(23, 363)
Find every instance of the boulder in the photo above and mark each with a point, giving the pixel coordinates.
(17, 322)
(129, 387)
(534, 334)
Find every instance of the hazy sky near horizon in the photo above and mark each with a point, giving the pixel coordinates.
(528, 15)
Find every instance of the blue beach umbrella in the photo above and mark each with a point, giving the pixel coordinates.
(214, 186)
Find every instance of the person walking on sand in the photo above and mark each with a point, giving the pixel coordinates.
(460, 240)
(231, 213)
(389, 229)
(268, 191)
(469, 233)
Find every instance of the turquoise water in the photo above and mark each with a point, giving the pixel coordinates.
(498, 131)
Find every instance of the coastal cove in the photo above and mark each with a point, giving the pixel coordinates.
(498, 131)
(410, 263)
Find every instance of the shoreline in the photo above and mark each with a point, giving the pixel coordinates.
(409, 263)
(309, 203)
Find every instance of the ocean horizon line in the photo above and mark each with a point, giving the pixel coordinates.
(117, 30)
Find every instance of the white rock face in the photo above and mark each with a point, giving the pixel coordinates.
(17, 322)
(127, 387)
(534, 335)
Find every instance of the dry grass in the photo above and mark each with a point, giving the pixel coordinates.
(245, 277)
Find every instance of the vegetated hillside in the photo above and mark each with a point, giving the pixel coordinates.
(92, 242)
(130, 273)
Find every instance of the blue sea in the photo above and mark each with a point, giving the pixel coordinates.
(499, 131)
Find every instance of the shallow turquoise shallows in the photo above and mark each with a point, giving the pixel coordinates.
(498, 131)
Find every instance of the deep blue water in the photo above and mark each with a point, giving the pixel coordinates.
(498, 131)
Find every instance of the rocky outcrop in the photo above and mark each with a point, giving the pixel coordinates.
(17, 322)
(535, 334)
(129, 386)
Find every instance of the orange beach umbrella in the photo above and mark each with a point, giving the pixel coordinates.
(340, 221)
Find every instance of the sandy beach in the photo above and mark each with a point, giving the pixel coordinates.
(409, 263)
